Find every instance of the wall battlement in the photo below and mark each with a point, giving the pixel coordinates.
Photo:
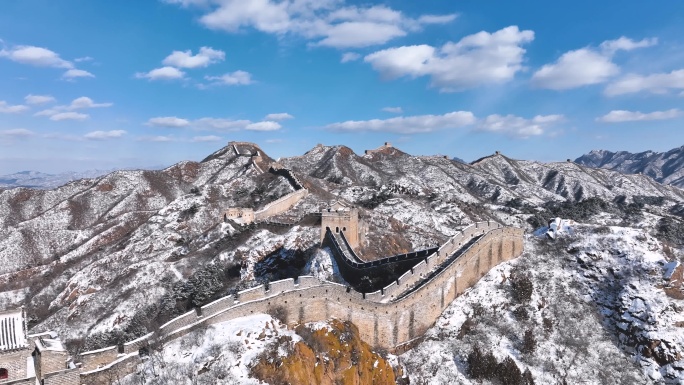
(391, 317)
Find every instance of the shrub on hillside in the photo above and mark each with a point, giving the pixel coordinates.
(671, 230)
(529, 343)
(648, 200)
(483, 366)
(521, 286)
(578, 211)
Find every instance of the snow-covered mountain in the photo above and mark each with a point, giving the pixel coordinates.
(665, 167)
(107, 259)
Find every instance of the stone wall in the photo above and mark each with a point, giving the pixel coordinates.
(278, 169)
(63, 377)
(385, 324)
(385, 319)
(111, 373)
(382, 271)
(179, 322)
(135, 345)
(281, 205)
(95, 358)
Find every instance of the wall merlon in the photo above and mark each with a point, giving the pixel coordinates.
(135, 345)
(281, 286)
(178, 322)
(252, 294)
(218, 305)
(305, 281)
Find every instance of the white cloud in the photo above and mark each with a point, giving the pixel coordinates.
(104, 135)
(214, 124)
(482, 58)
(409, 124)
(516, 126)
(325, 22)
(38, 99)
(626, 44)
(48, 112)
(76, 73)
(187, 3)
(83, 59)
(279, 116)
(185, 59)
(17, 133)
(158, 138)
(35, 56)
(236, 78)
(658, 83)
(350, 56)
(263, 15)
(393, 110)
(163, 73)
(168, 121)
(360, 34)
(208, 138)
(620, 116)
(586, 66)
(86, 102)
(5, 108)
(219, 124)
(437, 19)
(263, 126)
(575, 69)
(68, 116)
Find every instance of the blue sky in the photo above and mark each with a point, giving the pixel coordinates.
(87, 84)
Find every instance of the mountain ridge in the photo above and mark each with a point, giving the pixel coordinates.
(665, 167)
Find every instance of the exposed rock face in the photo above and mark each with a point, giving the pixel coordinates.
(330, 355)
(665, 167)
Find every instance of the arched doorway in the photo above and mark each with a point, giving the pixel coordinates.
(4, 374)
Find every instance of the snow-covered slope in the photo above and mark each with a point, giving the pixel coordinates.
(108, 259)
(596, 314)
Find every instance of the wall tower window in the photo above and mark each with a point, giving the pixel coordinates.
(337, 229)
(4, 374)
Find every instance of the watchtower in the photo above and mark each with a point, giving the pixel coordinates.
(14, 347)
(341, 217)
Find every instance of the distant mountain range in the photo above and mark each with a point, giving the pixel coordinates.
(665, 167)
(40, 180)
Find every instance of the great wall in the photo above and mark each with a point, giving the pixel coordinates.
(393, 317)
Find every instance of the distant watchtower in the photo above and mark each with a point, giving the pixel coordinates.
(341, 217)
